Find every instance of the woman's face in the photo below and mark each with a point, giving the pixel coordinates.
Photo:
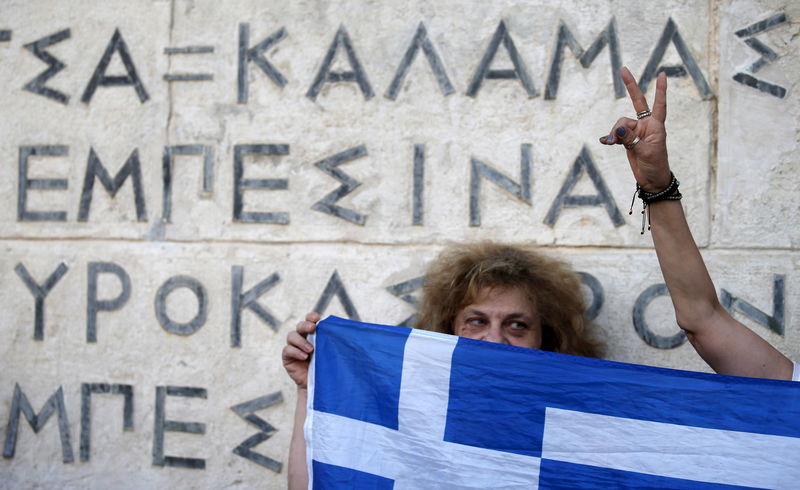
(501, 315)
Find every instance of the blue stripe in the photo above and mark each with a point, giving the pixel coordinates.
(331, 477)
(556, 475)
(498, 396)
(347, 382)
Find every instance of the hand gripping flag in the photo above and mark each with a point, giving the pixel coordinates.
(391, 407)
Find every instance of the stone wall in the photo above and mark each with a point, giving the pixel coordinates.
(183, 179)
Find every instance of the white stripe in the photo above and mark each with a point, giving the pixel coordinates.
(416, 456)
(425, 384)
(415, 461)
(677, 451)
(308, 424)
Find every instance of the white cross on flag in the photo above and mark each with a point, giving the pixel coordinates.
(392, 407)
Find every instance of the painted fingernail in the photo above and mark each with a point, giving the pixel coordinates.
(621, 132)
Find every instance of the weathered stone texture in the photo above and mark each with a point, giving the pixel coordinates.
(732, 145)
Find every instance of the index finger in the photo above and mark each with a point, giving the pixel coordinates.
(305, 328)
(309, 325)
(635, 93)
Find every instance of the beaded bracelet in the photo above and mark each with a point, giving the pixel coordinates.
(671, 193)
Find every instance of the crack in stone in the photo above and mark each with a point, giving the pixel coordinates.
(169, 70)
(713, 151)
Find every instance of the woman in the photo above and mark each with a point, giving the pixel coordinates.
(515, 296)
(484, 291)
(506, 294)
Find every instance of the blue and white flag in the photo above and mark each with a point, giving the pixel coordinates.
(391, 407)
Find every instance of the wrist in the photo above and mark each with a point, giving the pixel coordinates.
(658, 185)
(302, 398)
(668, 192)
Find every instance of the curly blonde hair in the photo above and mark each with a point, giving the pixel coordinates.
(456, 277)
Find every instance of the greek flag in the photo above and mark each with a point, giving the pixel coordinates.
(391, 407)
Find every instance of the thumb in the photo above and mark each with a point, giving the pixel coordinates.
(626, 136)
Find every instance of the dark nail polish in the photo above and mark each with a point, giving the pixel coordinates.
(621, 131)
(610, 139)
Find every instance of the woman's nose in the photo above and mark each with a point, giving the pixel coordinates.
(495, 334)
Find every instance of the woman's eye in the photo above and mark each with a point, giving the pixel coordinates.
(476, 322)
(518, 325)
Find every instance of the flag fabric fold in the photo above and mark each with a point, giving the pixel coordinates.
(392, 407)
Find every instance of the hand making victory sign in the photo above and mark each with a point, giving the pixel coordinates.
(645, 137)
(726, 344)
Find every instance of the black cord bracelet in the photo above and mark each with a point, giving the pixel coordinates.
(671, 193)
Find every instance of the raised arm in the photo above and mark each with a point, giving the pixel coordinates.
(727, 345)
(296, 356)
